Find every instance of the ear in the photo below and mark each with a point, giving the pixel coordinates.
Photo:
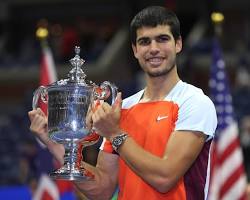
(134, 50)
(178, 45)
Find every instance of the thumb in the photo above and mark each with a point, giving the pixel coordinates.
(118, 102)
(31, 115)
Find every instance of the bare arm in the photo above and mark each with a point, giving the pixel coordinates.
(106, 173)
(163, 173)
(39, 127)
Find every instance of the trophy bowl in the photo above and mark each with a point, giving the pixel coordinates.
(69, 104)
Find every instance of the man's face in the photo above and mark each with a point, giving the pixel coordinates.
(156, 50)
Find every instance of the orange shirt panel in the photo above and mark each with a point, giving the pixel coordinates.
(150, 125)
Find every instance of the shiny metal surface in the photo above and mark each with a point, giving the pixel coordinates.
(67, 108)
(69, 102)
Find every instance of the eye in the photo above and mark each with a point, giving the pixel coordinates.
(162, 38)
(144, 41)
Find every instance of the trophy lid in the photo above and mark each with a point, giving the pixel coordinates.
(76, 74)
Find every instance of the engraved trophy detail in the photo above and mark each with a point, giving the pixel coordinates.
(69, 102)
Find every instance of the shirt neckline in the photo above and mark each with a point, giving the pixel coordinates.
(140, 93)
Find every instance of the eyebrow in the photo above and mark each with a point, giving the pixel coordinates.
(157, 36)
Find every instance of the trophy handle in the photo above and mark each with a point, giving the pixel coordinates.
(104, 91)
(39, 92)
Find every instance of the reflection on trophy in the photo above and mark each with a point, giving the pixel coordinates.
(69, 104)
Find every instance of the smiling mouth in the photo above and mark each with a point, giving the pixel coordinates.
(156, 61)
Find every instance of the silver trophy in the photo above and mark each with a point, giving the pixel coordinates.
(69, 103)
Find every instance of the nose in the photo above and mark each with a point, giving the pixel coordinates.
(154, 47)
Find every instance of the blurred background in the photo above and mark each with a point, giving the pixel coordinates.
(100, 28)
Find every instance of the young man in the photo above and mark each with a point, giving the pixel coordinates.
(157, 141)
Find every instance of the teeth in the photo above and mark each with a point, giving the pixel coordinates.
(155, 61)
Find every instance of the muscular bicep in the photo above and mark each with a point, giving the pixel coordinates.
(181, 151)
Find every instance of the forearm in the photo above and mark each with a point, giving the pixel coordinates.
(39, 127)
(164, 172)
(154, 170)
(56, 149)
(101, 188)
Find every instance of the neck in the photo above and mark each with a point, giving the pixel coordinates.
(158, 87)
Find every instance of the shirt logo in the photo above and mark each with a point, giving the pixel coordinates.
(161, 117)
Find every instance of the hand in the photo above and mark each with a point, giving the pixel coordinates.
(39, 126)
(39, 123)
(92, 108)
(89, 122)
(106, 118)
(248, 191)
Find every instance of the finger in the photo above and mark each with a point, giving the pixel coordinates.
(95, 118)
(118, 102)
(106, 107)
(38, 123)
(89, 110)
(41, 112)
(97, 103)
(88, 116)
(32, 114)
(38, 116)
(98, 114)
(89, 120)
(35, 112)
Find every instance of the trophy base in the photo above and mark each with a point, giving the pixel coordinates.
(72, 175)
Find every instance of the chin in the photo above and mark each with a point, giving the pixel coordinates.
(159, 72)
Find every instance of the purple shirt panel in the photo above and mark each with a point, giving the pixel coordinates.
(195, 178)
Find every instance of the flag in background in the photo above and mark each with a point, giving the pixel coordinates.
(47, 70)
(228, 179)
(48, 189)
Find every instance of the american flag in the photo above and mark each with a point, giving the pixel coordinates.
(228, 179)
